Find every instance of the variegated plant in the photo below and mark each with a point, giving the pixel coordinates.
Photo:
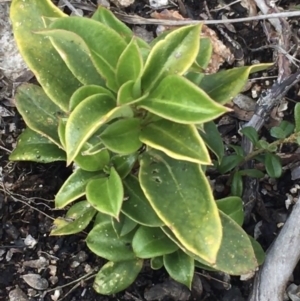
(137, 121)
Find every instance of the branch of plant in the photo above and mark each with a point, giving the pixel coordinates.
(281, 259)
(139, 20)
(291, 139)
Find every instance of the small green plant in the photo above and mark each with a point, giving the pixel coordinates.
(264, 152)
(136, 122)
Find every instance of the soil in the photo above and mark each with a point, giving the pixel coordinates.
(65, 264)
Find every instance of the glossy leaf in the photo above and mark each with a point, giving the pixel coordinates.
(84, 92)
(204, 54)
(235, 256)
(38, 52)
(173, 55)
(124, 226)
(76, 220)
(34, 147)
(152, 242)
(126, 93)
(297, 117)
(229, 162)
(237, 184)
(130, 64)
(223, 86)
(102, 219)
(75, 54)
(106, 194)
(117, 276)
(106, 17)
(104, 242)
(124, 164)
(180, 267)
(273, 165)
(178, 141)
(251, 133)
(179, 100)
(92, 162)
(122, 136)
(258, 250)
(136, 206)
(74, 187)
(233, 207)
(38, 111)
(104, 55)
(61, 130)
(157, 263)
(212, 139)
(173, 187)
(84, 121)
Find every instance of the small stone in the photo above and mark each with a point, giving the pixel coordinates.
(36, 281)
(17, 295)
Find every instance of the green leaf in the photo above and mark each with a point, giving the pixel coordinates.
(179, 141)
(282, 131)
(237, 184)
(173, 55)
(92, 162)
(34, 147)
(105, 55)
(235, 256)
(273, 165)
(124, 226)
(204, 54)
(223, 86)
(180, 267)
(152, 242)
(156, 263)
(84, 121)
(76, 220)
(179, 100)
(104, 242)
(136, 206)
(84, 92)
(287, 127)
(233, 207)
(130, 64)
(277, 132)
(38, 111)
(103, 219)
(297, 117)
(106, 194)
(262, 144)
(75, 54)
(212, 139)
(238, 149)
(124, 164)
(251, 133)
(106, 17)
(253, 173)
(74, 187)
(38, 53)
(258, 250)
(173, 187)
(117, 276)
(229, 162)
(122, 136)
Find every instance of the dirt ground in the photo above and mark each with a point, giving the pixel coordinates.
(63, 266)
